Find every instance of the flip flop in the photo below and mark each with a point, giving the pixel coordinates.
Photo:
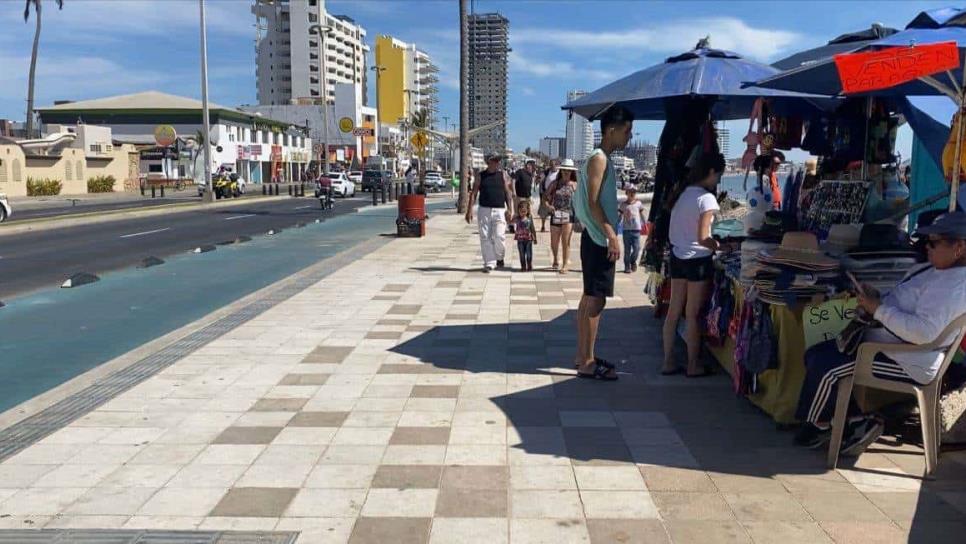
(600, 373)
(599, 361)
(672, 372)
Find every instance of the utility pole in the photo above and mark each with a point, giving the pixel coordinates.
(464, 108)
(205, 119)
(323, 31)
(378, 69)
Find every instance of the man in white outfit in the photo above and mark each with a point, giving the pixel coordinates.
(495, 194)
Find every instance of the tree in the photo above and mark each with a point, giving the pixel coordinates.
(33, 58)
(420, 121)
(464, 108)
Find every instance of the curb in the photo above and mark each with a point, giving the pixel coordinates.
(107, 216)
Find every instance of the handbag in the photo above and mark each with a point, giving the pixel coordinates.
(560, 217)
(849, 340)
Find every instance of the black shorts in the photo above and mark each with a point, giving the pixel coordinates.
(700, 269)
(597, 269)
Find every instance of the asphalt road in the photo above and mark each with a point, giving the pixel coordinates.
(68, 209)
(36, 260)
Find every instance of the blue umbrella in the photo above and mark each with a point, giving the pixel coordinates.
(702, 72)
(846, 43)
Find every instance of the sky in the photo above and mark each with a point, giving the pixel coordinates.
(97, 48)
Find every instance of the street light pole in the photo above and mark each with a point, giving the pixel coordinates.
(322, 31)
(378, 69)
(205, 119)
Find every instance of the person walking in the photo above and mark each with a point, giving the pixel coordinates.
(495, 199)
(523, 182)
(692, 268)
(559, 199)
(549, 176)
(525, 233)
(595, 205)
(632, 219)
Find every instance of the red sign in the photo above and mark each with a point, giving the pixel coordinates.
(861, 72)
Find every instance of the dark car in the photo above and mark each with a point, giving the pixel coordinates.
(375, 179)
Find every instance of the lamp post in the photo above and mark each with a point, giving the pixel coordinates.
(378, 69)
(323, 31)
(205, 119)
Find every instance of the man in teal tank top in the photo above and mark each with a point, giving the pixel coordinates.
(595, 205)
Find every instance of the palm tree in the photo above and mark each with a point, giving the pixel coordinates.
(420, 121)
(33, 59)
(464, 108)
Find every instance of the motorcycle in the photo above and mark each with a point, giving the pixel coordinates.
(226, 186)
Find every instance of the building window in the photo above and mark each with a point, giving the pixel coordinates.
(68, 171)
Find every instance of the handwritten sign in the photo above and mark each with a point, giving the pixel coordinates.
(825, 321)
(869, 71)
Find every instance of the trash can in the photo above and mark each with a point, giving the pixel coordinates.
(411, 221)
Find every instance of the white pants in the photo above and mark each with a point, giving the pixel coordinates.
(492, 222)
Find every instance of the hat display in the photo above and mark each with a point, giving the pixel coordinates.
(567, 164)
(799, 250)
(842, 238)
(878, 240)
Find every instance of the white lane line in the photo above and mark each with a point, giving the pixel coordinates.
(239, 217)
(304, 207)
(132, 235)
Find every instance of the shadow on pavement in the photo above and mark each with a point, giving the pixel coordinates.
(670, 422)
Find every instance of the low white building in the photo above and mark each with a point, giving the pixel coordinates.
(259, 148)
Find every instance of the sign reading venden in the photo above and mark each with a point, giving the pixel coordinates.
(873, 70)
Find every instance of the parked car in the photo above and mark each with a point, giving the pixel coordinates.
(341, 184)
(5, 210)
(355, 176)
(375, 179)
(434, 181)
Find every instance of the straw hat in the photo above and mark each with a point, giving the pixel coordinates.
(567, 164)
(799, 248)
(842, 238)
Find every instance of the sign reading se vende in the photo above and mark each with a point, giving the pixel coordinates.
(874, 70)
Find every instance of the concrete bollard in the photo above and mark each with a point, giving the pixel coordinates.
(382, 191)
(289, 189)
(264, 189)
(153, 191)
(142, 190)
(162, 191)
(374, 197)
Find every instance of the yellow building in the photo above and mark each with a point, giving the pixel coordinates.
(407, 81)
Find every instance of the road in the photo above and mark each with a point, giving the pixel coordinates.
(35, 260)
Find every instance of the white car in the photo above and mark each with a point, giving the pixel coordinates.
(434, 181)
(356, 176)
(341, 184)
(5, 210)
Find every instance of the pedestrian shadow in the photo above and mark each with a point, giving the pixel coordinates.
(644, 418)
(431, 269)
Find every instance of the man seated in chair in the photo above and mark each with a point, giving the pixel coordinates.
(920, 307)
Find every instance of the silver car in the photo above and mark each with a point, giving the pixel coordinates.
(5, 210)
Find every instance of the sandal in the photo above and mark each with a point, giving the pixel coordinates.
(599, 361)
(671, 372)
(554, 266)
(600, 373)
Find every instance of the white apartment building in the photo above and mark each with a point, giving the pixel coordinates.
(580, 132)
(299, 62)
(553, 147)
(724, 138)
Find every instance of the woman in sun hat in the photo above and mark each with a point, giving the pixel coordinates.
(559, 200)
(916, 311)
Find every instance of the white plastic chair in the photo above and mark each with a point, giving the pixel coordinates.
(927, 395)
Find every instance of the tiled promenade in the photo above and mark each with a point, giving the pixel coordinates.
(409, 398)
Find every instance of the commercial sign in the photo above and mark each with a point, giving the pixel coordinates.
(276, 152)
(873, 70)
(363, 131)
(821, 322)
(243, 153)
(420, 140)
(165, 135)
(346, 124)
(255, 151)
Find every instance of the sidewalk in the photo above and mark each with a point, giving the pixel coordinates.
(409, 398)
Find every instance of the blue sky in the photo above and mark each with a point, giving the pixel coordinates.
(97, 48)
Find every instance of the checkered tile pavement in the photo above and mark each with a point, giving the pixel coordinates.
(409, 398)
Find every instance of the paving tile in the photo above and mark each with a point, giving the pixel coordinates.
(255, 502)
(327, 503)
(548, 531)
(407, 476)
(420, 436)
(766, 507)
(786, 532)
(545, 504)
(274, 475)
(692, 506)
(414, 455)
(404, 309)
(40, 501)
(229, 454)
(383, 335)
(841, 507)
(165, 454)
(341, 476)
(622, 478)
(475, 477)
(318, 530)
(435, 391)
(469, 531)
(247, 435)
(306, 436)
(140, 476)
(676, 479)
(627, 531)
(406, 503)
(16, 476)
(278, 405)
(918, 507)
(363, 436)
(471, 503)
(394, 322)
(523, 477)
(395, 530)
(328, 355)
(352, 455)
(618, 505)
(172, 501)
(482, 454)
(745, 483)
(207, 475)
(74, 476)
(864, 533)
(87, 522)
(707, 532)
(318, 419)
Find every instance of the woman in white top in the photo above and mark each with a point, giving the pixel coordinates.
(692, 250)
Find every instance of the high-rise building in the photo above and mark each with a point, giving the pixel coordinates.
(553, 147)
(643, 152)
(297, 62)
(407, 81)
(580, 132)
(489, 40)
(724, 138)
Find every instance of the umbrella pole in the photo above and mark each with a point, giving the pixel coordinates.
(954, 183)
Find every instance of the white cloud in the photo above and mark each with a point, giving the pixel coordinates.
(528, 91)
(666, 37)
(73, 78)
(559, 69)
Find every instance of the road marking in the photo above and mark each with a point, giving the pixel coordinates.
(145, 232)
(239, 217)
(304, 207)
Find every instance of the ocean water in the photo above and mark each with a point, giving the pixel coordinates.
(734, 185)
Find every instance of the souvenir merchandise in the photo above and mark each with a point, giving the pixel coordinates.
(842, 238)
(795, 271)
(882, 257)
(720, 310)
(753, 138)
(788, 132)
(949, 152)
(833, 203)
(749, 259)
(882, 135)
(775, 225)
(756, 348)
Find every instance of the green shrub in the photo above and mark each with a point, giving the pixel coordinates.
(101, 184)
(43, 187)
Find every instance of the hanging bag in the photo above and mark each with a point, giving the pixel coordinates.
(753, 137)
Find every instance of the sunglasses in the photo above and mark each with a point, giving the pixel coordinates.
(932, 243)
